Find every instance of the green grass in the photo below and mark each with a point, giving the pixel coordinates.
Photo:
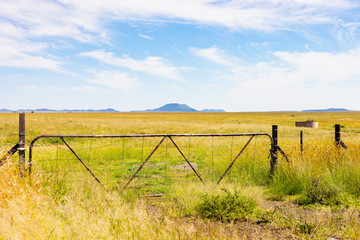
(322, 177)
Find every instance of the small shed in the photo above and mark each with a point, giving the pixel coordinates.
(308, 124)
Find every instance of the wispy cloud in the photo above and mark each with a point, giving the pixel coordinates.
(145, 36)
(254, 14)
(151, 65)
(29, 21)
(300, 79)
(114, 80)
(84, 20)
(50, 18)
(214, 54)
(25, 54)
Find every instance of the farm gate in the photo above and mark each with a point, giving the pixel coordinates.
(115, 161)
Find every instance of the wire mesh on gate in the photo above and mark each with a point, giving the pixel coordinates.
(155, 162)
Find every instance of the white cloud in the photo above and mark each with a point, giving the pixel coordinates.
(38, 18)
(214, 54)
(85, 20)
(25, 54)
(114, 80)
(151, 65)
(237, 14)
(303, 79)
(29, 21)
(145, 36)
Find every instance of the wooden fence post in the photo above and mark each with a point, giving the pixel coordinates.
(339, 143)
(21, 147)
(301, 142)
(337, 133)
(274, 149)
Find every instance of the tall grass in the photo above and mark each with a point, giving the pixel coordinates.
(36, 209)
(62, 200)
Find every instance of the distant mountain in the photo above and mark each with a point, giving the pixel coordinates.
(5, 110)
(176, 107)
(173, 107)
(213, 110)
(43, 110)
(91, 110)
(327, 110)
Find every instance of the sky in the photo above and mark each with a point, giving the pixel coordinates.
(236, 55)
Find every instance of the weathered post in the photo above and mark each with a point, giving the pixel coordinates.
(339, 143)
(274, 149)
(301, 142)
(337, 133)
(21, 147)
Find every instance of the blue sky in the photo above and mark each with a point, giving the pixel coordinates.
(248, 55)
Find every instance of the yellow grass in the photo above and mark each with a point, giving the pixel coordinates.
(44, 207)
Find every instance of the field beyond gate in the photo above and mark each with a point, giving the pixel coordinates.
(314, 195)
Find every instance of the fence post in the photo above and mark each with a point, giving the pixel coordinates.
(274, 149)
(340, 144)
(301, 142)
(337, 133)
(21, 147)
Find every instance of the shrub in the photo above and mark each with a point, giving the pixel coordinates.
(226, 207)
(322, 192)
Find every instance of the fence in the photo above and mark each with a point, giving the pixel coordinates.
(151, 163)
(114, 161)
(18, 147)
(305, 143)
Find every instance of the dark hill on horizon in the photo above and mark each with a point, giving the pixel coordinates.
(177, 107)
(327, 110)
(171, 107)
(46, 110)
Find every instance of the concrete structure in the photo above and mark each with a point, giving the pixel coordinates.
(308, 124)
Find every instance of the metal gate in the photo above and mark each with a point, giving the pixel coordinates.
(172, 139)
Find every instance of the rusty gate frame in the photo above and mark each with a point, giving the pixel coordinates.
(164, 136)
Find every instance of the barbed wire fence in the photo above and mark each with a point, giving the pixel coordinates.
(306, 144)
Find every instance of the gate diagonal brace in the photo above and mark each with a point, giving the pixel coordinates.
(182, 154)
(142, 165)
(9, 154)
(232, 163)
(83, 163)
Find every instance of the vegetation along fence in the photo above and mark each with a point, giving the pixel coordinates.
(151, 163)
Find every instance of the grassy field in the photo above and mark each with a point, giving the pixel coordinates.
(315, 195)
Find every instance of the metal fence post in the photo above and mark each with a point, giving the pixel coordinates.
(274, 149)
(21, 147)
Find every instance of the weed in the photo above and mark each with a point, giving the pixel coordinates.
(305, 227)
(321, 192)
(226, 208)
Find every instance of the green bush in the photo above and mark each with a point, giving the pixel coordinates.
(322, 192)
(226, 207)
